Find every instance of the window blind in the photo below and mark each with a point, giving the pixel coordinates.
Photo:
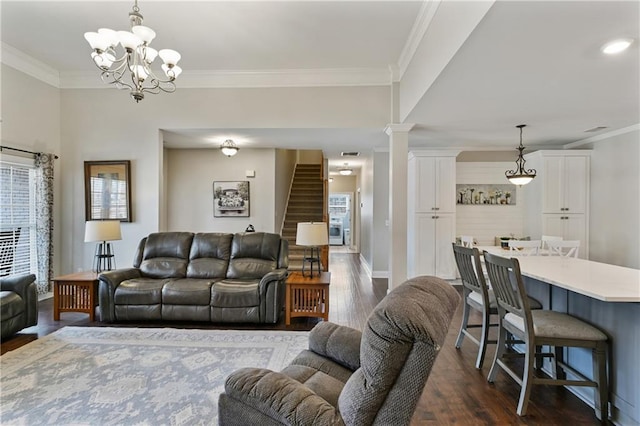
(17, 218)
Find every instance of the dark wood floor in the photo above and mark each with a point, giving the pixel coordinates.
(456, 392)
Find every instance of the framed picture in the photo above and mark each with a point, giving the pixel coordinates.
(107, 190)
(486, 194)
(231, 198)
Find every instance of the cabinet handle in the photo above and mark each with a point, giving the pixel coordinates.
(436, 208)
(433, 217)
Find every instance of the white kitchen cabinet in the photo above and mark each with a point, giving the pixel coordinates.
(431, 222)
(557, 200)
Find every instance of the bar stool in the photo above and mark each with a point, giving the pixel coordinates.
(476, 295)
(542, 327)
(524, 248)
(545, 238)
(466, 240)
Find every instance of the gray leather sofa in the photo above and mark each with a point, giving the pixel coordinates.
(213, 277)
(347, 377)
(18, 303)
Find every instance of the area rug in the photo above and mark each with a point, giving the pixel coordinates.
(132, 376)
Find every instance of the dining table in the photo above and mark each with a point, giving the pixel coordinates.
(604, 295)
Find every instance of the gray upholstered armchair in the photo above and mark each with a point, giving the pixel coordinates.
(346, 377)
(18, 303)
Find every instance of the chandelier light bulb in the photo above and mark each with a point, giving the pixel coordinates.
(616, 46)
(124, 58)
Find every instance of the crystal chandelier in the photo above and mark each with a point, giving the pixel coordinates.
(520, 176)
(229, 148)
(131, 67)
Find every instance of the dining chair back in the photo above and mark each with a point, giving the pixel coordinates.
(539, 329)
(524, 248)
(466, 240)
(545, 238)
(566, 248)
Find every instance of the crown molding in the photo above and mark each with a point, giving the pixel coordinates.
(252, 79)
(29, 65)
(603, 136)
(420, 26)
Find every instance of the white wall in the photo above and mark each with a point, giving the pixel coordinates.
(31, 121)
(105, 124)
(189, 191)
(484, 222)
(380, 215)
(366, 214)
(614, 228)
(285, 166)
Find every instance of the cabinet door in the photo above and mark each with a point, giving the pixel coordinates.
(575, 184)
(575, 229)
(425, 184)
(445, 184)
(422, 253)
(445, 230)
(553, 184)
(553, 224)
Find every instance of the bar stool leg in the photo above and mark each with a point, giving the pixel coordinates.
(527, 379)
(465, 317)
(601, 399)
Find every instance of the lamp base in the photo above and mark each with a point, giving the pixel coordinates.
(104, 259)
(313, 257)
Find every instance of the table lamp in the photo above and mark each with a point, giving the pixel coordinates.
(312, 235)
(103, 231)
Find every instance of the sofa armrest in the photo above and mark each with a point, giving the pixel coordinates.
(25, 286)
(277, 396)
(109, 281)
(17, 283)
(339, 343)
(277, 275)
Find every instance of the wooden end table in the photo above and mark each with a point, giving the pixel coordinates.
(75, 293)
(307, 296)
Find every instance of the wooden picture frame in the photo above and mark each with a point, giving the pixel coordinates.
(231, 198)
(107, 190)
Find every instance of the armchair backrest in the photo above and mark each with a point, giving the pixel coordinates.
(400, 342)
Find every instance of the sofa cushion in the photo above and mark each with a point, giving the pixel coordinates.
(166, 255)
(11, 305)
(235, 293)
(139, 291)
(209, 255)
(187, 291)
(253, 255)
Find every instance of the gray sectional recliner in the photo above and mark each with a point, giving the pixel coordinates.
(215, 277)
(347, 377)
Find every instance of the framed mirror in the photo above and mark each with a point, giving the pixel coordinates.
(107, 190)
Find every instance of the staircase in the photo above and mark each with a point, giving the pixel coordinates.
(305, 205)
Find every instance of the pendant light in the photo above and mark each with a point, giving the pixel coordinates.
(520, 176)
(229, 148)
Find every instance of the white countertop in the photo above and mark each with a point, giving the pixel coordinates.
(609, 283)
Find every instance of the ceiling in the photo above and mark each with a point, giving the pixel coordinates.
(529, 62)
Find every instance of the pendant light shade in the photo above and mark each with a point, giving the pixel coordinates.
(521, 175)
(229, 148)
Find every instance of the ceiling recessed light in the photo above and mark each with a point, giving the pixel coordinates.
(616, 46)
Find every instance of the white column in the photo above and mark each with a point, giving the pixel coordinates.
(398, 164)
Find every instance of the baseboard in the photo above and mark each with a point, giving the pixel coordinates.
(365, 265)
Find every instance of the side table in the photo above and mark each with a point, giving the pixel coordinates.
(75, 293)
(307, 296)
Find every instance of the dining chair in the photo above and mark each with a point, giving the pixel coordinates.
(566, 248)
(466, 240)
(545, 238)
(476, 295)
(538, 328)
(524, 247)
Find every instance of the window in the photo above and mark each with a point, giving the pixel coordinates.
(17, 216)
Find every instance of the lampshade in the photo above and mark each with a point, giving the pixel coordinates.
(312, 234)
(102, 230)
